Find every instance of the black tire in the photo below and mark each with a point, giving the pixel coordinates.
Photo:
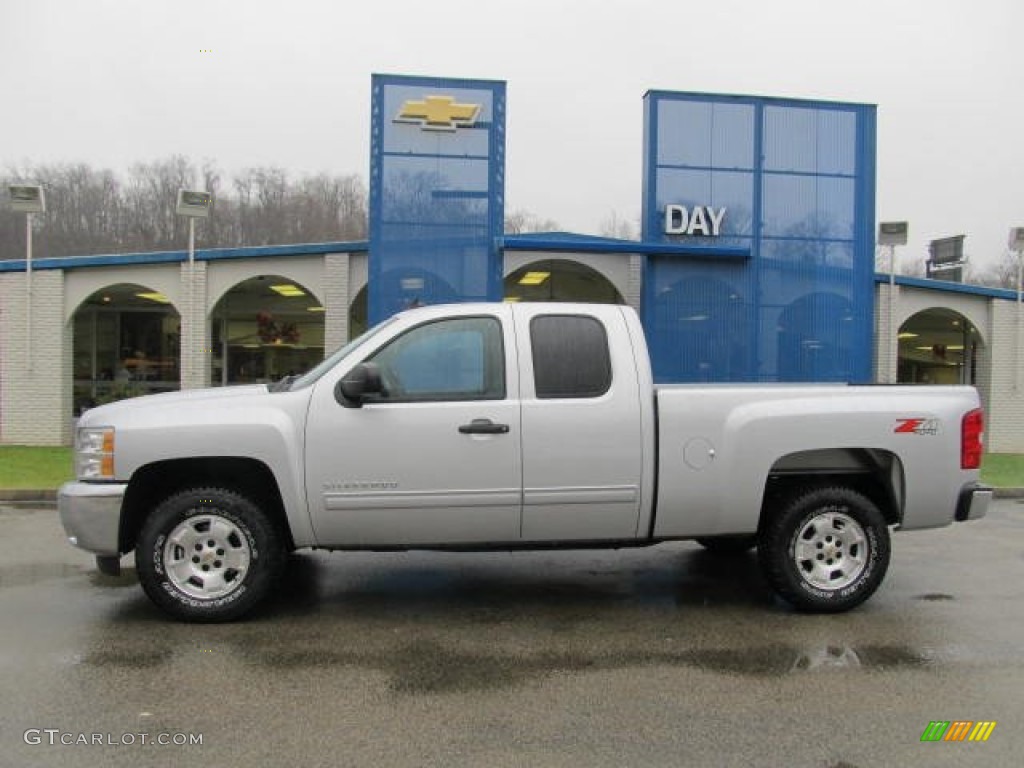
(826, 550)
(728, 545)
(208, 555)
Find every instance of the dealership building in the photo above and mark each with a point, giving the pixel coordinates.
(756, 264)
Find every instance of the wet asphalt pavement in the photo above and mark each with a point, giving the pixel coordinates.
(664, 656)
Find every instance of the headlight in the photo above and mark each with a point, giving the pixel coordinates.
(94, 453)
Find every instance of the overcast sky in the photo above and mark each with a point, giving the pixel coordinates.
(287, 83)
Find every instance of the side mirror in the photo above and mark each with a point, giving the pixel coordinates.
(359, 383)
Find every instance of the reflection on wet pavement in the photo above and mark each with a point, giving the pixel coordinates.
(431, 667)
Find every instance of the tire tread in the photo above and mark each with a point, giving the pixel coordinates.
(271, 553)
(773, 548)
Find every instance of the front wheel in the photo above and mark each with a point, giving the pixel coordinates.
(208, 554)
(826, 550)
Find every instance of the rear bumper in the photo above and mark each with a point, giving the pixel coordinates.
(973, 502)
(91, 515)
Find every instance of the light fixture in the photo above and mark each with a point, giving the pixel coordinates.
(534, 278)
(316, 309)
(27, 198)
(193, 204)
(893, 232)
(156, 296)
(908, 335)
(288, 290)
(512, 299)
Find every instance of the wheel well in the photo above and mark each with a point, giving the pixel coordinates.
(876, 474)
(153, 483)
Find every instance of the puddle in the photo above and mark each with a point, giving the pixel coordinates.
(412, 667)
(778, 661)
(430, 668)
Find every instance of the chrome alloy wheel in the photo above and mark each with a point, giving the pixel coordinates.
(830, 551)
(206, 556)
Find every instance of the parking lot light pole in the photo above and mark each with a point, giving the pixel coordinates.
(28, 199)
(193, 205)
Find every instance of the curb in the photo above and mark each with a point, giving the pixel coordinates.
(21, 496)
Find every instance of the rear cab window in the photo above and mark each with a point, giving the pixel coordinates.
(571, 358)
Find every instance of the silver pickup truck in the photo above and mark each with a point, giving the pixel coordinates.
(515, 426)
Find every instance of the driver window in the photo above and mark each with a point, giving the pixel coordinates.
(457, 359)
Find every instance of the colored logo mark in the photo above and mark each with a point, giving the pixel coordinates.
(917, 427)
(958, 730)
(438, 113)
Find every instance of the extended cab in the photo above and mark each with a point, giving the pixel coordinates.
(502, 426)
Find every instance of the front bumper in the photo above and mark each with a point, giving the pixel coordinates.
(91, 515)
(973, 502)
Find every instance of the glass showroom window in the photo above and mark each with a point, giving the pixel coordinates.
(263, 329)
(126, 344)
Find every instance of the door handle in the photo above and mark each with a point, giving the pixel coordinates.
(483, 427)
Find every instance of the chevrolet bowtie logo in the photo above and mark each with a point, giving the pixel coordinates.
(438, 113)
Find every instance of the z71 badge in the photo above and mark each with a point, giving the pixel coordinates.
(916, 427)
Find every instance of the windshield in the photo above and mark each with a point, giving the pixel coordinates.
(314, 374)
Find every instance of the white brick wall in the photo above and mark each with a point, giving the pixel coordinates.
(195, 330)
(336, 282)
(635, 281)
(886, 353)
(1005, 430)
(35, 364)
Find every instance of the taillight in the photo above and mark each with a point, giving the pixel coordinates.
(972, 430)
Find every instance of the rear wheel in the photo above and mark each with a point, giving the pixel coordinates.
(826, 550)
(208, 554)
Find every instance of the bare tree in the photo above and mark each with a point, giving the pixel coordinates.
(520, 222)
(618, 226)
(912, 266)
(328, 207)
(1002, 274)
(93, 211)
(152, 190)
